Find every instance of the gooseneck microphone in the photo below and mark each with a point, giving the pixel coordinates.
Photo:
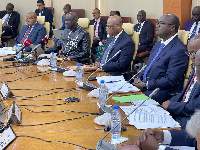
(101, 145)
(103, 108)
(26, 44)
(88, 86)
(43, 42)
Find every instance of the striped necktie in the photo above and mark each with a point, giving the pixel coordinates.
(194, 30)
(6, 21)
(26, 35)
(103, 60)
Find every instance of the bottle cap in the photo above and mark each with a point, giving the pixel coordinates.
(116, 107)
(78, 64)
(52, 52)
(102, 81)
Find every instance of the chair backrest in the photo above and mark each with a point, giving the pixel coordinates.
(183, 36)
(41, 20)
(128, 28)
(84, 23)
(153, 21)
(79, 12)
(0, 26)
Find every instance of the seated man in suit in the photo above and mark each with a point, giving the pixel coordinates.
(119, 49)
(151, 139)
(74, 41)
(99, 32)
(42, 11)
(183, 105)
(193, 24)
(33, 31)
(146, 35)
(10, 21)
(167, 62)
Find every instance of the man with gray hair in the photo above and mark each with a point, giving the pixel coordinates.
(74, 41)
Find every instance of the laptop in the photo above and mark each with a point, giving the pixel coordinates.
(57, 33)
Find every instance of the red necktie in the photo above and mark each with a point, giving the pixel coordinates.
(188, 87)
(25, 36)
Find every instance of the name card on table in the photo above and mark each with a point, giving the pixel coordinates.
(5, 92)
(7, 135)
(14, 114)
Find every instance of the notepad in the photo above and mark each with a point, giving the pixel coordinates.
(130, 97)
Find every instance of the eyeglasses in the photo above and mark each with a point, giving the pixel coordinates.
(30, 18)
(109, 27)
(95, 13)
(193, 54)
(162, 23)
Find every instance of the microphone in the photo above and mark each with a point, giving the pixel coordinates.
(104, 144)
(26, 44)
(88, 86)
(103, 108)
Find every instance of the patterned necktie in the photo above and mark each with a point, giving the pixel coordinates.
(6, 20)
(103, 60)
(188, 87)
(194, 30)
(149, 66)
(26, 35)
(139, 26)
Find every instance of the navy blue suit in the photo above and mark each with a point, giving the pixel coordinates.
(167, 71)
(36, 34)
(13, 21)
(146, 37)
(122, 62)
(181, 111)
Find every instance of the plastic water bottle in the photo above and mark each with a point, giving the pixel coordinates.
(79, 74)
(115, 119)
(18, 56)
(103, 93)
(53, 61)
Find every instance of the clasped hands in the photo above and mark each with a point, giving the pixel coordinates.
(138, 83)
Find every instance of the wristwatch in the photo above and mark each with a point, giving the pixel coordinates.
(144, 86)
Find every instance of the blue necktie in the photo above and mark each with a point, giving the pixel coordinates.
(149, 66)
(103, 60)
(194, 30)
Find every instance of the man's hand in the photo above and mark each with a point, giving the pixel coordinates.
(104, 42)
(165, 104)
(159, 135)
(147, 141)
(9, 26)
(95, 38)
(138, 83)
(97, 64)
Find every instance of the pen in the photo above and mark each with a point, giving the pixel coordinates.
(113, 81)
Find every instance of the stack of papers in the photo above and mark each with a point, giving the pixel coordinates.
(117, 84)
(8, 50)
(149, 117)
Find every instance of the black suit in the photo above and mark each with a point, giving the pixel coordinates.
(146, 37)
(13, 21)
(102, 36)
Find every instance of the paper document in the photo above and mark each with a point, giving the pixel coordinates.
(8, 50)
(110, 79)
(162, 147)
(149, 117)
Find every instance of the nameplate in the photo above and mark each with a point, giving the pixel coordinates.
(14, 114)
(5, 92)
(7, 136)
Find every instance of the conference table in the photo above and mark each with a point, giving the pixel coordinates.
(47, 121)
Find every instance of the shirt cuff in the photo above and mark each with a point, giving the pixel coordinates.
(167, 137)
(161, 147)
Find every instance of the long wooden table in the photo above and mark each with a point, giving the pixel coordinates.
(39, 89)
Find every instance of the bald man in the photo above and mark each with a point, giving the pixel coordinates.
(74, 41)
(119, 49)
(193, 24)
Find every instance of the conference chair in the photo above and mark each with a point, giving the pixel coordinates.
(41, 20)
(183, 36)
(0, 27)
(128, 28)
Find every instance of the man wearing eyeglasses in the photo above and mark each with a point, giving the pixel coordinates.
(119, 49)
(100, 33)
(182, 106)
(32, 31)
(193, 24)
(167, 62)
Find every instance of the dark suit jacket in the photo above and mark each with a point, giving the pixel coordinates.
(146, 37)
(188, 24)
(13, 21)
(167, 71)
(47, 13)
(182, 111)
(181, 138)
(120, 63)
(36, 34)
(101, 29)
